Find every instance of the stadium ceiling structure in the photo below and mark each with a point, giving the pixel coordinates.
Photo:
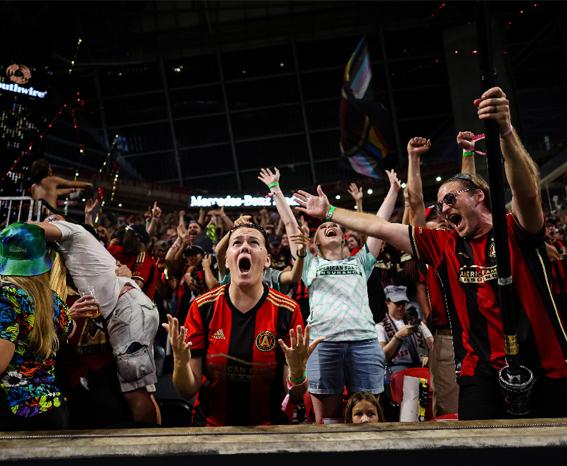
(201, 94)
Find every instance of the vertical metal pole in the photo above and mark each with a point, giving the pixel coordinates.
(20, 210)
(392, 102)
(228, 121)
(170, 119)
(304, 113)
(9, 211)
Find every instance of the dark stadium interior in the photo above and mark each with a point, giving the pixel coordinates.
(201, 94)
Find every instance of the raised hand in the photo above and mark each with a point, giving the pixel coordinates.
(297, 354)
(493, 105)
(181, 224)
(315, 206)
(206, 261)
(418, 146)
(243, 219)
(90, 206)
(465, 140)
(266, 176)
(393, 178)
(301, 240)
(177, 338)
(355, 191)
(155, 211)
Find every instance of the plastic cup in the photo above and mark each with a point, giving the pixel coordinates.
(89, 291)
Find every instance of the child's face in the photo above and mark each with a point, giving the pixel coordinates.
(364, 412)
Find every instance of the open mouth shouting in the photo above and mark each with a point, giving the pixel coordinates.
(456, 220)
(244, 264)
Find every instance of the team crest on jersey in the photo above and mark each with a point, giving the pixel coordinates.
(492, 250)
(265, 341)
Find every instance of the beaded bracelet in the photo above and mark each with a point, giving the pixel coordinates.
(330, 213)
(273, 184)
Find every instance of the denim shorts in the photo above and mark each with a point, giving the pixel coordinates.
(132, 327)
(358, 365)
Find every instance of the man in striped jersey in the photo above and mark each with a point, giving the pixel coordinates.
(465, 259)
(242, 346)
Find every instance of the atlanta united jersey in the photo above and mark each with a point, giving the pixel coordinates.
(467, 269)
(242, 361)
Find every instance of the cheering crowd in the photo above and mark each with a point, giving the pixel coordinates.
(280, 316)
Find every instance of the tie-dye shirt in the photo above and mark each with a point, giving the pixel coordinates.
(27, 386)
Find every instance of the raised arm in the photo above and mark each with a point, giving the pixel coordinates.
(155, 215)
(64, 183)
(465, 140)
(272, 181)
(416, 147)
(521, 171)
(66, 191)
(385, 210)
(227, 222)
(292, 276)
(357, 195)
(373, 225)
(187, 371)
(90, 207)
(174, 254)
(210, 278)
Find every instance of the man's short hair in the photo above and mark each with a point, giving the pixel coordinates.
(473, 181)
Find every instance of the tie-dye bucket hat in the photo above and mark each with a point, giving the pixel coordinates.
(23, 251)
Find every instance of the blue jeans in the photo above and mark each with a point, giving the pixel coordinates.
(357, 364)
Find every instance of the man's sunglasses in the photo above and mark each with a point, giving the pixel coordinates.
(450, 199)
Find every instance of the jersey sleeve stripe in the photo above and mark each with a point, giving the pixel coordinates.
(281, 297)
(212, 295)
(281, 304)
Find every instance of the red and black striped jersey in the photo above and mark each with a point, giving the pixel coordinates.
(242, 360)
(467, 270)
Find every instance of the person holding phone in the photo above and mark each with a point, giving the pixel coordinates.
(405, 339)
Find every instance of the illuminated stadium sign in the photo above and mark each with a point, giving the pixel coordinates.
(236, 201)
(20, 74)
(23, 90)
